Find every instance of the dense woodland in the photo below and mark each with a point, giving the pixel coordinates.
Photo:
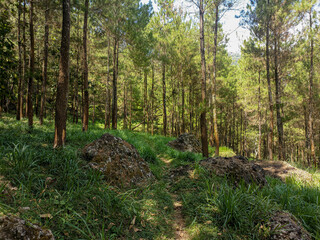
(167, 71)
(137, 76)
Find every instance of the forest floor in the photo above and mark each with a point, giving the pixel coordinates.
(284, 170)
(57, 190)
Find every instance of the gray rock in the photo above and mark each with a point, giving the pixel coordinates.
(14, 228)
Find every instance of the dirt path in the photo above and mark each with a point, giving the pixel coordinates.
(179, 224)
(282, 170)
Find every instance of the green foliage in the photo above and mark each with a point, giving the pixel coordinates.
(7, 57)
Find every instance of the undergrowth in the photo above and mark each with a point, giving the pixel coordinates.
(56, 189)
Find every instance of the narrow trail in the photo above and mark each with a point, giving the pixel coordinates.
(179, 224)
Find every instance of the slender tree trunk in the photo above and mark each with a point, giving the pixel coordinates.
(145, 101)
(214, 84)
(130, 107)
(30, 83)
(306, 129)
(94, 109)
(85, 122)
(24, 64)
(278, 101)
(125, 125)
(259, 113)
(183, 128)
(115, 78)
(191, 103)
(75, 96)
(310, 117)
(152, 101)
(270, 138)
(203, 122)
(45, 65)
(164, 99)
(62, 85)
(20, 93)
(108, 91)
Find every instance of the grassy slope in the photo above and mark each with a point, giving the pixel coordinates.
(82, 206)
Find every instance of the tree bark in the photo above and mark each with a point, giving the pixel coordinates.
(30, 83)
(278, 101)
(270, 138)
(164, 99)
(63, 80)
(152, 101)
(20, 92)
(203, 124)
(214, 84)
(108, 91)
(310, 117)
(125, 125)
(45, 64)
(85, 122)
(24, 65)
(115, 78)
(259, 116)
(145, 101)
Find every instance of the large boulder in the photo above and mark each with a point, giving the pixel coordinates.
(236, 168)
(14, 228)
(286, 227)
(186, 142)
(119, 161)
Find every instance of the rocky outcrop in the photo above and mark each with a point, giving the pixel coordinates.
(286, 227)
(186, 142)
(117, 160)
(235, 168)
(14, 228)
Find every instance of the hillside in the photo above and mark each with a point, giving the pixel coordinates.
(56, 190)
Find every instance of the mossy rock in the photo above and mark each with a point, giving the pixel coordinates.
(118, 161)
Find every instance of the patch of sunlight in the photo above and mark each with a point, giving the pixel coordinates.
(226, 152)
(203, 231)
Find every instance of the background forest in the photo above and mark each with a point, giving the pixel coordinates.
(135, 68)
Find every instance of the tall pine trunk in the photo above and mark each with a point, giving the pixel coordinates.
(20, 92)
(270, 138)
(203, 122)
(145, 102)
(278, 101)
(108, 91)
(164, 99)
(114, 85)
(310, 117)
(85, 122)
(214, 84)
(63, 80)
(31, 67)
(45, 65)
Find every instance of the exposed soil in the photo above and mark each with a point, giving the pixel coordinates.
(287, 227)
(117, 160)
(236, 169)
(282, 170)
(179, 222)
(186, 142)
